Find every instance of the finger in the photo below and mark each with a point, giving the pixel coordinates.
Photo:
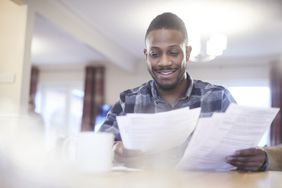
(249, 152)
(250, 164)
(248, 169)
(246, 163)
(245, 159)
(118, 148)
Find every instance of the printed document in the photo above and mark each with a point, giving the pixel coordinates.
(157, 132)
(221, 135)
(212, 139)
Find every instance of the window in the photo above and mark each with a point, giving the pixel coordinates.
(61, 108)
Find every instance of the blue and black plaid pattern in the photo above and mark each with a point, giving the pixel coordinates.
(145, 99)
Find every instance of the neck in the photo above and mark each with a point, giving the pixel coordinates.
(172, 96)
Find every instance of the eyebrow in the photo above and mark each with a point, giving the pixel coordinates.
(171, 46)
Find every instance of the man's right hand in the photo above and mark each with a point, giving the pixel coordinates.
(129, 158)
(139, 159)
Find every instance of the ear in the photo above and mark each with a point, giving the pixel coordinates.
(145, 53)
(188, 52)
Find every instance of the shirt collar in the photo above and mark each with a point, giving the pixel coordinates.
(188, 91)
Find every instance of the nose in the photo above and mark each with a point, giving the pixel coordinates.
(165, 61)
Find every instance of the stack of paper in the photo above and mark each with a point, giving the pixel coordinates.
(157, 132)
(214, 138)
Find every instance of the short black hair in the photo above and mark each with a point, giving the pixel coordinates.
(168, 20)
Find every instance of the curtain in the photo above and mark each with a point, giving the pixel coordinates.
(34, 77)
(276, 101)
(93, 96)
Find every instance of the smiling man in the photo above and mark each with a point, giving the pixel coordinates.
(167, 53)
(167, 56)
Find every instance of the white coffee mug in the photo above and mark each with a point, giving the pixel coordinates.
(93, 151)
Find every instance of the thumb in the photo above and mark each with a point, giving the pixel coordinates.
(118, 148)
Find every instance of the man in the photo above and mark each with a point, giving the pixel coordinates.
(167, 54)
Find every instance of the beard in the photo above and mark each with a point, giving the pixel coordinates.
(170, 84)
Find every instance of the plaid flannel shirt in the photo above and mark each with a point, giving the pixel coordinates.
(145, 99)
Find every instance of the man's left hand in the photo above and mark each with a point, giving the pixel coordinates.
(251, 159)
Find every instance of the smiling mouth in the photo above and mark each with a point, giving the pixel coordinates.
(166, 73)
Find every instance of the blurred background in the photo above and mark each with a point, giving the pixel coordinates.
(67, 60)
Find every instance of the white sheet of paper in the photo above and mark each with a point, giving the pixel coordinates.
(221, 135)
(159, 131)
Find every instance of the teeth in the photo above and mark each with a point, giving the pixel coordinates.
(166, 72)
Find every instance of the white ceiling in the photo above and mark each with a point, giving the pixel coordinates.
(52, 46)
(253, 27)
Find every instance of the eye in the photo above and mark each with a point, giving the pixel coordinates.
(174, 53)
(154, 54)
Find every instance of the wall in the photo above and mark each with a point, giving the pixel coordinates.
(13, 23)
(242, 74)
(118, 80)
(61, 76)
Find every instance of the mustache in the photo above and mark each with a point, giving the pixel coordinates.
(166, 68)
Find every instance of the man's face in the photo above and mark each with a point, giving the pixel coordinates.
(167, 57)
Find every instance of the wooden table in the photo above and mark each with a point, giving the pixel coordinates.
(165, 179)
(146, 179)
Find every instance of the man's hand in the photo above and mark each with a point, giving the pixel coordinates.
(139, 159)
(130, 158)
(251, 159)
